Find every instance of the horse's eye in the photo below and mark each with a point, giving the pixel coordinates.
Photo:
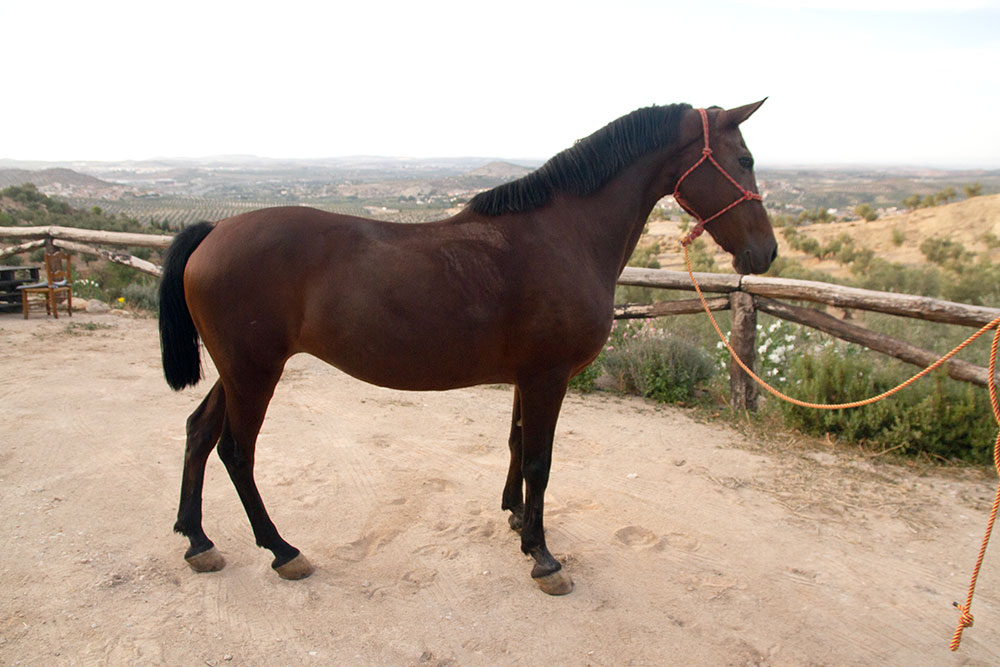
(746, 162)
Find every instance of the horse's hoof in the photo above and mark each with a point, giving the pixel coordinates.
(209, 560)
(557, 583)
(297, 568)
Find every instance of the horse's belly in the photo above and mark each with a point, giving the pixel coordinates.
(418, 366)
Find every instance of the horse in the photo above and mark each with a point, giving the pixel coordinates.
(516, 288)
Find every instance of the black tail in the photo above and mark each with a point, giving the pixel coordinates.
(178, 336)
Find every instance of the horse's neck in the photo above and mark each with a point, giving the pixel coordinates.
(616, 214)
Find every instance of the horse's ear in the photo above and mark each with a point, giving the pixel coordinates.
(736, 116)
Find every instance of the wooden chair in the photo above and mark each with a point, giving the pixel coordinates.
(57, 281)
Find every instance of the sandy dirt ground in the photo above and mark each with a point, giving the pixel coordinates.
(689, 543)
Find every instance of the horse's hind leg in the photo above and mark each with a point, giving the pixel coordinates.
(513, 498)
(244, 416)
(204, 427)
(541, 399)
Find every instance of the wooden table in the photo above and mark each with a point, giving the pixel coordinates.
(10, 278)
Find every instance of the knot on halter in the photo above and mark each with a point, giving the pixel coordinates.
(706, 151)
(695, 232)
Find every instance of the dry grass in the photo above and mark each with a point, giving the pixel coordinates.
(966, 222)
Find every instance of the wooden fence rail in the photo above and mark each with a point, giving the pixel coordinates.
(743, 295)
(70, 239)
(88, 235)
(748, 294)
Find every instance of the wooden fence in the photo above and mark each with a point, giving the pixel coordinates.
(743, 295)
(746, 295)
(76, 240)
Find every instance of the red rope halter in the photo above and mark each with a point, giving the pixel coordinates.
(706, 155)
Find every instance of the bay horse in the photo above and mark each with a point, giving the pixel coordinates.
(516, 288)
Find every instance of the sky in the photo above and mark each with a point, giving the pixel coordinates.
(859, 82)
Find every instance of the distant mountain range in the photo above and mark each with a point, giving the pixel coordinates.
(359, 167)
(292, 181)
(47, 177)
(414, 185)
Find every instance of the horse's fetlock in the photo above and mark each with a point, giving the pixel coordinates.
(512, 503)
(530, 545)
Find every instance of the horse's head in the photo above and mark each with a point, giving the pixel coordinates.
(716, 185)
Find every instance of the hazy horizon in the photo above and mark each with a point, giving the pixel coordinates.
(244, 159)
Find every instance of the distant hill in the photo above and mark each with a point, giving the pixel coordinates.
(498, 170)
(974, 222)
(48, 177)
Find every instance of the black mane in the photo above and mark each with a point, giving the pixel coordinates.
(587, 165)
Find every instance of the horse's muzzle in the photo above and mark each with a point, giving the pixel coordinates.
(756, 260)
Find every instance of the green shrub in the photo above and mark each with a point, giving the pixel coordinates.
(880, 274)
(810, 246)
(645, 256)
(788, 268)
(654, 364)
(114, 278)
(841, 248)
(936, 416)
(701, 257)
(866, 211)
(944, 251)
(820, 214)
(635, 294)
(975, 284)
(145, 297)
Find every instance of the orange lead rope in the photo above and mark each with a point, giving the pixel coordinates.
(965, 618)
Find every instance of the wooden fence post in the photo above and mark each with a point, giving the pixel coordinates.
(742, 388)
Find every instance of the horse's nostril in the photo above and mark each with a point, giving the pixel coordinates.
(774, 252)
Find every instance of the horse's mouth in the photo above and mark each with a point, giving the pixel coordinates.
(753, 260)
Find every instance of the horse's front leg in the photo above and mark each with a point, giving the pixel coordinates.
(541, 399)
(513, 498)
